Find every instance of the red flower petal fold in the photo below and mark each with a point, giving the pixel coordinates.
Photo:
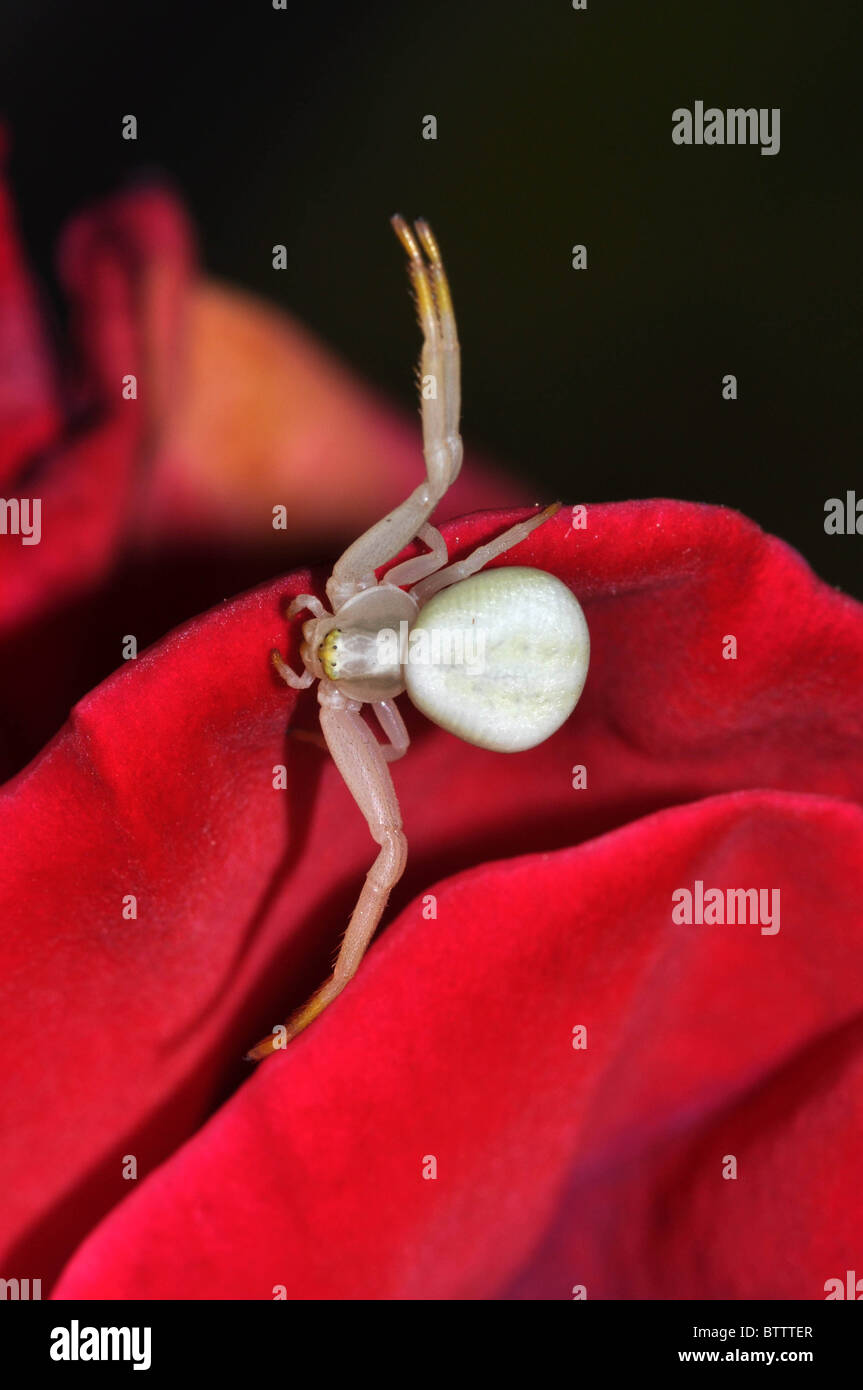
(553, 1167)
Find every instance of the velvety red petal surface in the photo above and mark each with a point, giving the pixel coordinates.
(555, 1167)
(455, 1039)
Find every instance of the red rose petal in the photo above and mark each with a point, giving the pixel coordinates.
(456, 1045)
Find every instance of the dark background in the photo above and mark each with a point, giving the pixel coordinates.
(554, 127)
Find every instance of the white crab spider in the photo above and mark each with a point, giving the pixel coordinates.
(535, 649)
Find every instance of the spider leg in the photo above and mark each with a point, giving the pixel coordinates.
(441, 439)
(390, 720)
(303, 601)
(361, 761)
(461, 569)
(287, 673)
(441, 405)
(409, 571)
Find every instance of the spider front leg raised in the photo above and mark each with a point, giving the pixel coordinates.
(441, 405)
(362, 762)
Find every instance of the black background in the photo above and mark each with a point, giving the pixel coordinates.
(554, 127)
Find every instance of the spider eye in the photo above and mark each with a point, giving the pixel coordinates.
(328, 653)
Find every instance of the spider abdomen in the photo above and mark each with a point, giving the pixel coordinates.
(499, 659)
